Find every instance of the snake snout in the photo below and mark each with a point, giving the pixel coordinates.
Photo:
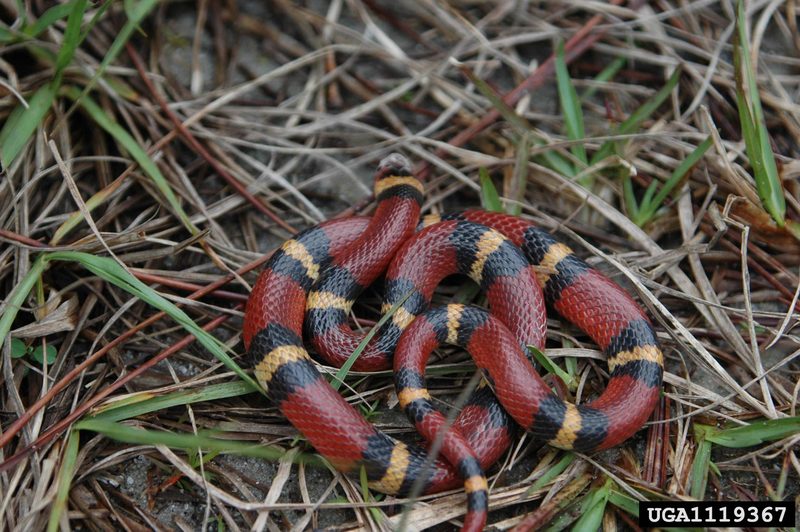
(393, 164)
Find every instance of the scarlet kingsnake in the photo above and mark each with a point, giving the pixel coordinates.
(313, 280)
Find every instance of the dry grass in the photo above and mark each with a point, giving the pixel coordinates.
(216, 130)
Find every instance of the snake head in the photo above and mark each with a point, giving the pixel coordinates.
(393, 164)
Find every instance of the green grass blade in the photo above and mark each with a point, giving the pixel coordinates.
(754, 129)
(6, 35)
(751, 140)
(749, 71)
(592, 516)
(127, 434)
(136, 12)
(698, 476)
(146, 402)
(136, 152)
(577, 507)
(680, 172)
(111, 271)
(649, 206)
(71, 40)
(549, 365)
(555, 161)
(553, 472)
(22, 122)
(755, 433)
(649, 193)
(365, 494)
(645, 111)
(338, 378)
(768, 184)
(633, 122)
(571, 108)
(490, 199)
(65, 475)
(627, 193)
(48, 18)
(624, 502)
(98, 14)
(607, 74)
(17, 298)
(571, 363)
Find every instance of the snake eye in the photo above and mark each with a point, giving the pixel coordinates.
(393, 164)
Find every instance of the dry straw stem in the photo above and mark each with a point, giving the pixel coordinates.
(187, 141)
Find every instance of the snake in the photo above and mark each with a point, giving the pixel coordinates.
(309, 285)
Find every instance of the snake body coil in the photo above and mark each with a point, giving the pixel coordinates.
(313, 280)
